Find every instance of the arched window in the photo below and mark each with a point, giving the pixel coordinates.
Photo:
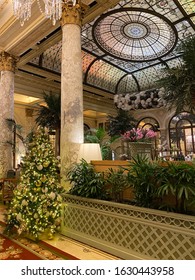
(148, 123)
(151, 123)
(182, 133)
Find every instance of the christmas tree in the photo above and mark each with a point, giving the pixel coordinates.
(36, 206)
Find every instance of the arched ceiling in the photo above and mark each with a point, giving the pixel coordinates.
(125, 44)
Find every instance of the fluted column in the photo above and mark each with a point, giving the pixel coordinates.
(71, 87)
(7, 68)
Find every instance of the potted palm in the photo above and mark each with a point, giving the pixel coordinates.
(179, 82)
(118, 125)
(49, 116)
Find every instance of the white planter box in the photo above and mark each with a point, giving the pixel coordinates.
(129, 232)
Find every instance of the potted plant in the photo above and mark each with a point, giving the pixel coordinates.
(120, 123)
(116, 181)
(143, 176)
(49, 116)
(85, 181)
(99, 135)
(177, 181)
(138, 141)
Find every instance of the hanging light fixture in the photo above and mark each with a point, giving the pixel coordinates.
(53, 9)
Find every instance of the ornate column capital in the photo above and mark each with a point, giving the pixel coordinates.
(73, 14)
(7, 62)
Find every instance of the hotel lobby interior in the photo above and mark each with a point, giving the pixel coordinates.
(100, 57)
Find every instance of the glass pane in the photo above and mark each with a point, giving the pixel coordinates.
(183, 123)
(189, 140)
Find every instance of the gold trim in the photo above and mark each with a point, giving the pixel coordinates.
(73, 14)
(7, 62)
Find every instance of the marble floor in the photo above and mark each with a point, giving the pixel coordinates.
(71, 246)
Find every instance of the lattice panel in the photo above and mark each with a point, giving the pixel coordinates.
(155, 236)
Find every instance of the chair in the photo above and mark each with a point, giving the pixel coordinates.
(8, 186)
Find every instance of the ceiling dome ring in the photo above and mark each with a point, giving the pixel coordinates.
(134, 34)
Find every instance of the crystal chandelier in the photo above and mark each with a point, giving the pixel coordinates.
(52, 9)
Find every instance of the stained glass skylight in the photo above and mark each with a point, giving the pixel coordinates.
(124, 50)
(134, 34)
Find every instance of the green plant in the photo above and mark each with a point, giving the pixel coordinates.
(117, 183)
(143, 176)
(100, 136)
(49, 116)
(85, 181)
(179, 82)
(178, 180)
(120, 123)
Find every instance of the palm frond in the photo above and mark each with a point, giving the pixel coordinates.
(49, 115)
(120, 123)
(179, 82)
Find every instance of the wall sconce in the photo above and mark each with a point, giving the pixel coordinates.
(89, 151)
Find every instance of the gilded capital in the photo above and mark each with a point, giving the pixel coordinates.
(7, 62)
(73, 13)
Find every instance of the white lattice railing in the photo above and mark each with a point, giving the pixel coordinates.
(127, 231)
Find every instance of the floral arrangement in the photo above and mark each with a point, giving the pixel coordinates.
(152, 98)
(138, 135)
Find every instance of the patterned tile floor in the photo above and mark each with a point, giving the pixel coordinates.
(72, 247)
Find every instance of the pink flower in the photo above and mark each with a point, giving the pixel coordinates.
(138, 134)
(150, 134)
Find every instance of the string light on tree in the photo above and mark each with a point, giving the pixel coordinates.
(36, 205)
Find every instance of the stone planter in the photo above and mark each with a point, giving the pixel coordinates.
(129, 232)
(140, 148)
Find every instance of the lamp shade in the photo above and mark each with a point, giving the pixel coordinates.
(89, 151)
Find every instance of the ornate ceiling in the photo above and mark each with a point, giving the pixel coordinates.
(125, 44)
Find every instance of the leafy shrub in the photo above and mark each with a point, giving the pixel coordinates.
(178, 180)
(167, 186)
(85, 181)
(143, 176)
(117, 183)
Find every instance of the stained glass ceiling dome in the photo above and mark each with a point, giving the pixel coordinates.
(125, 48)
(135, 34)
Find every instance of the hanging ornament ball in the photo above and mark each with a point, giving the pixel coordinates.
(46, 164)
(50, 236)
(38, 183)
(40, 167)
(44, 178)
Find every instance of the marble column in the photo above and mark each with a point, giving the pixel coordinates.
(72, 132)
(7, 68)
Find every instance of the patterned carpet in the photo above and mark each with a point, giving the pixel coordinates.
(19, 248)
